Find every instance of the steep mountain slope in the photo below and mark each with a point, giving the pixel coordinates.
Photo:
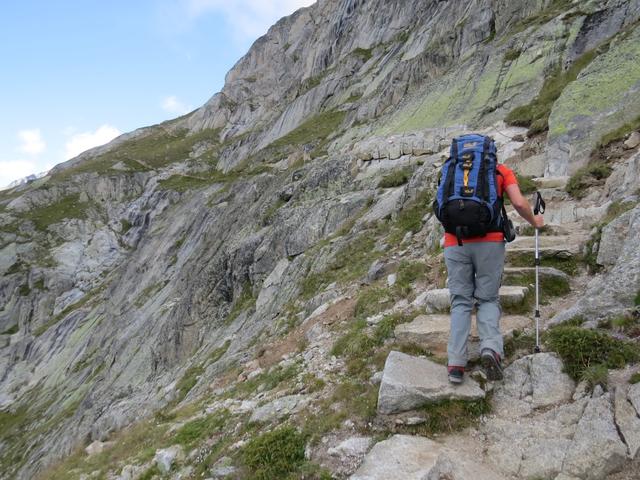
(140, 273)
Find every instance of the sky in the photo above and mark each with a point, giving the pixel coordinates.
(75, 74)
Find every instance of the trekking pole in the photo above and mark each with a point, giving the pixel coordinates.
(538, 209)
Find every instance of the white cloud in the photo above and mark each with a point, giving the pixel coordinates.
(80, 142)
(173, 105)
(31, 142)
(248, 18)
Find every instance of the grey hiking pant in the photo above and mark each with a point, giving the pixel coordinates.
(475, 273)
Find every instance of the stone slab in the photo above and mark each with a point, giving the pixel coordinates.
(410, 382)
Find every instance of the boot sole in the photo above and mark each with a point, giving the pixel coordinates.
(491, 368)
(455, 380)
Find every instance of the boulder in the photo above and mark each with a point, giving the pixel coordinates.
(388, 203)
(97, 447)
(376, 270)
(166, 457)
(401, 457)
(596, 449)
(633, 141)
(532, 382)
(279, 408)
(350, 451)
(409, 382)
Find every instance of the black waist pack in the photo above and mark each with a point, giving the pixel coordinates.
(507, 227)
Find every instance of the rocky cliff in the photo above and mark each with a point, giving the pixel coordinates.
(245, 259)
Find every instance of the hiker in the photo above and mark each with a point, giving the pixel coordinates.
(469, 204)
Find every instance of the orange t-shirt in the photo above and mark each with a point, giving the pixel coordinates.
(506, 178)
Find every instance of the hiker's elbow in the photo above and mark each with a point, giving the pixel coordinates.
(519, 204)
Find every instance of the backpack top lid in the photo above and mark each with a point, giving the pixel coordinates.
(472, 142)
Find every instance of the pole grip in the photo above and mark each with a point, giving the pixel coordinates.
(539, 205)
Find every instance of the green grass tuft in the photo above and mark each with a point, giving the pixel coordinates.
(245, 301)
(519, 341)
(364, 53)
(512, 54)
(620, 132)
(126, 226)
(273, 455)
(410, 217)
(449, 416)
(395, 178)
(315, 129)
(635, 378)
(151, 473)
(596, 375)
(219, 352)
(188, 381)
(581, 349)
(587, 177)
(408, 273)
(11, 330)
(193, 432)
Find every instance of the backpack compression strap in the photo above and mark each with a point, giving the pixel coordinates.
(451, 171)
(483, 183)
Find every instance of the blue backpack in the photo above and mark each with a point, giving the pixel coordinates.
(467, 202)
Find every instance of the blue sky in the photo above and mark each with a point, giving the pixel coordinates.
(77, 73)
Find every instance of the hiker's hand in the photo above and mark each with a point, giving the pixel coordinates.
(538, 221)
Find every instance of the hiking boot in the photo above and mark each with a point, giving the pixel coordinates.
(492, 364)
(455, 374)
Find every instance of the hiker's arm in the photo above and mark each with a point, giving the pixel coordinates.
(522, 206)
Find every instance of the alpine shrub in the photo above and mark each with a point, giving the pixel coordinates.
(581, 349)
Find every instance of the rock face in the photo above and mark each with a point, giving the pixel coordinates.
(607, 100)
(614, 291)
(410, 382)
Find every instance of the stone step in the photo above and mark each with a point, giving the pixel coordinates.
(412, 457)
(549, 229)
(522, 255)
(546, 241)
(432, 332)
(410, 382)
(546, 273)
(437, 300)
